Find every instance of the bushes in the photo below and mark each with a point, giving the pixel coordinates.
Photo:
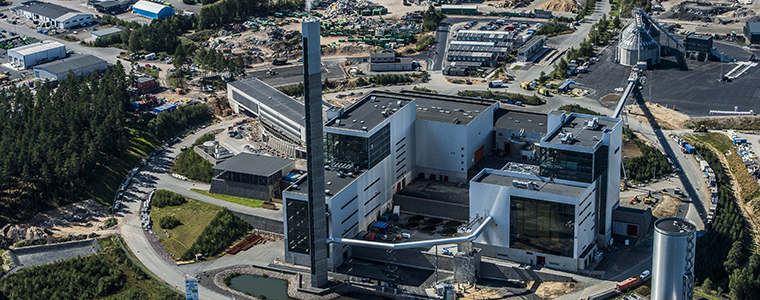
(387, 79)
(424, 89)
(170, 124)
(169, 222)
(164, 198)
(205, 138)
(193, 166)
(576, 108)
(431, 18)
(30, 243)
(223, 230)
(292, 90)
(110, 223)
(424, 42)
(553, 28)
(531, 100)
(106, 275)
(650, 165)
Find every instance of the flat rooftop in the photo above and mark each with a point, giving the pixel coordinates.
(546, 187)
(37, 47)
(448, 109)
(368, 111)
(271, 97)
(519, 120)
(675, 225)
(254, 164)
(333, 183)
(582, 135)
(49, 10)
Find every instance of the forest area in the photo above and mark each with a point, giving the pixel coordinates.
(109, 274)
(223, 230)
(52, 140)
(192, 165)
(727, 263)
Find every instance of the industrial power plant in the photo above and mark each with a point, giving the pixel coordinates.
(644, 40)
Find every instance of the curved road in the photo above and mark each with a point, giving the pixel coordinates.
(156, 175)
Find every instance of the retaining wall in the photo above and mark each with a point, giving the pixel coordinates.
(45, 254)
(261, 223)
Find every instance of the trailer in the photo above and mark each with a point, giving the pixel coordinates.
(688, 149)
(496, 84)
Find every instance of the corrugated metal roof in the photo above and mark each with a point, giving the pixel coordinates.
(34, 48)
(107, 31)
(149, 6)
(754, 27)
(270, 97)
(71, 63)
(45, 9)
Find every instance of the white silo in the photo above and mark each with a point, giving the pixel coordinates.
(673, 259)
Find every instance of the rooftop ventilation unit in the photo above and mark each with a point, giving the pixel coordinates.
(596, 138)
(383, 107)
(395, 110)
(373, 99)
(376, 105)
(353, 121)
(362, 121)
(398, 103)
(567, 138)
(328, 183)
(592, 123)
(337, 122)
(424, 109)
(327, 192)
(364, 128)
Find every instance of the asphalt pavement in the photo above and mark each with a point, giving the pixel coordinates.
(156, 175)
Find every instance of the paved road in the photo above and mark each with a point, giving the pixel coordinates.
(293, 72)
(155, 175)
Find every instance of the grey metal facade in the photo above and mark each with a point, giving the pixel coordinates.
(315, 158)
(673, 259)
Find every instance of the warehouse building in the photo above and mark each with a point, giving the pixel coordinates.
(33, 54)
(532, 50)
(752, 32)
(106, 32)
(278, 111)
(55, 15)
(382, 57)
(449, 9)
(485, 36)
(80, 65)
(251, 176)
(486, 59)
(152, 10)
(387, 61)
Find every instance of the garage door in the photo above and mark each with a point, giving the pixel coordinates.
(478, 155)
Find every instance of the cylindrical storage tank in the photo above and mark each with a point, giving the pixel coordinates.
(451, 293)
(637, 45)
(673, 259)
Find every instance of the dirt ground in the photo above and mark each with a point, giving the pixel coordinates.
(668, 207)
(83, 217)
(666, 117)
(551, 290)
(631, 150)
(560, 6)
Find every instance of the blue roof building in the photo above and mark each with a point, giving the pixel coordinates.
(152, 10)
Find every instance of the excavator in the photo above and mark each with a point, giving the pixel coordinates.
(648, 198)
(701, 128)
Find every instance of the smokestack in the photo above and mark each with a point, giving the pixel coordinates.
(315, 157)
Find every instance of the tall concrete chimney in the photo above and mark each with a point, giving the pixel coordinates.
(315, 157)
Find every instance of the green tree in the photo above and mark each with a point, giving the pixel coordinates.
(431, 18)
(708, 284)
(738, 285)
(734, 258)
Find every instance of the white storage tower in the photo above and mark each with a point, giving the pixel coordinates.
(673, 259)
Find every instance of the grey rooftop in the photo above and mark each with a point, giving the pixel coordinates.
(254, 164)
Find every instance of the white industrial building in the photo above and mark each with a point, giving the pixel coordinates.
(376, 147)
(280, 112)
(531, 50)
(80, 65)
(105, 32)
(54, 15)
(555, 213)
(33, 54)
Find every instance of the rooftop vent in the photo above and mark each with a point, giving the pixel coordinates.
(364, 128)
(469, 117)
(362, 121)
(376, 105)
(373, 98)
(327, 192)
(383, 107)
(596, 138)
(327, 168)
(424, 109)
(517, 121)
(540, 124)
(447, 112)
(337, 122)
(530, 120)
(395, 110)
(329, 182)
(477, 111)
(398, 103)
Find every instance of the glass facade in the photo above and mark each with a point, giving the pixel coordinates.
(363, 152)
(568, 165)
(542, 226)
(298, 226)
(600, 168)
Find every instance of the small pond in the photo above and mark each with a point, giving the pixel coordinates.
(277, 289)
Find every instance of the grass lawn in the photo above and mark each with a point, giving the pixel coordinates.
(515, 68)
(194, 215)
(237, 200)
(110, 177)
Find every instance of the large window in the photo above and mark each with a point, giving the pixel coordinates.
(363, 152)
(600, 169)
(568, 165)
(298, 226)
(542, 226)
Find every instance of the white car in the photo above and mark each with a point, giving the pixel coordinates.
(645, 274)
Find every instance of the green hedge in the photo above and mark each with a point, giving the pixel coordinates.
(223, 230)
(163, 198)
(193, 166)
(169, 222)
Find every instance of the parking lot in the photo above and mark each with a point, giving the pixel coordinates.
(695, 91)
